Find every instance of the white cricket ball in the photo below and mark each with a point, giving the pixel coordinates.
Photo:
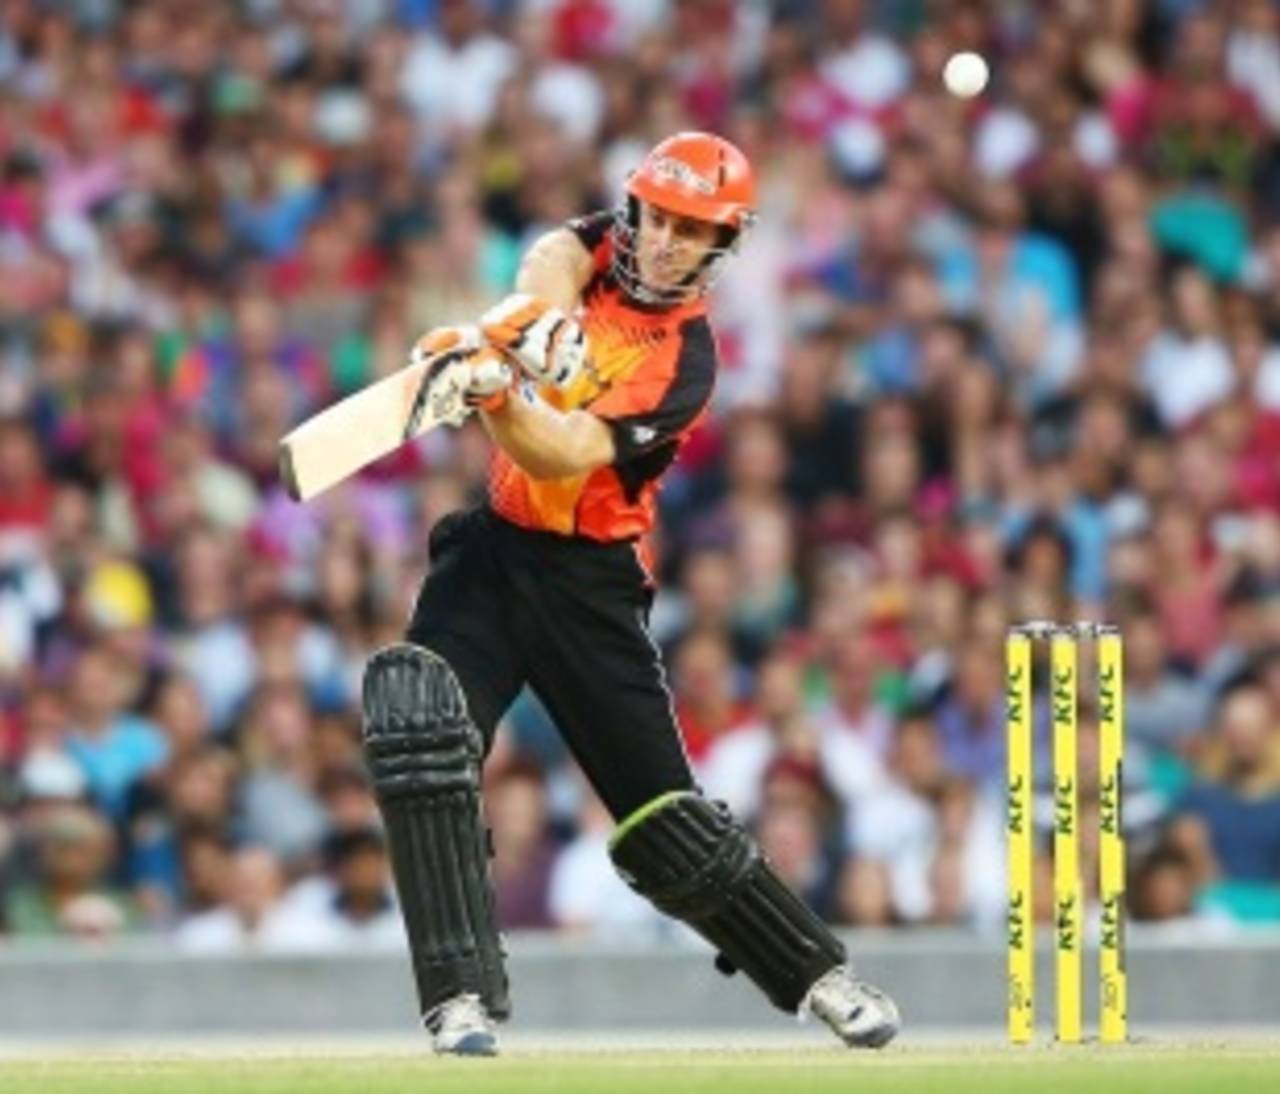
(965, 74)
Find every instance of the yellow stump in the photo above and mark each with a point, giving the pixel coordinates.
(1066, 837)
(1018, 829)
(1112, 976)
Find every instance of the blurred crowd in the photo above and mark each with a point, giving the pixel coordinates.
(990, 360)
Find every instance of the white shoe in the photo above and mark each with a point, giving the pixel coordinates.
(861, 1015)
(461, 1027)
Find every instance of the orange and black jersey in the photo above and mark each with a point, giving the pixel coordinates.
(652, 376)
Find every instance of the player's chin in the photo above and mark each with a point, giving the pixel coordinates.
(665, 281)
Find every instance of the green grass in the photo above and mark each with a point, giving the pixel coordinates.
(1237, 1068)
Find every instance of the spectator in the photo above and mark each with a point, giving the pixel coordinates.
(734, 767)
(348, 799)
(193, 792)
(1228, 823)
(522, 849)
(1163, 708)
(586, 895)
(706, 695)
(114, 747)
(971, 719)
(206, 870)
(1186, 370)
(252, 916)
(354, 903)
(277, 807)
(799, 830)
(25, 486)
(451, 78)
(1164, 900)
(70, 893)
(853, 711)
(821, 423)
(895, 826)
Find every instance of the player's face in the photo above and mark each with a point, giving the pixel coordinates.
(670, 247)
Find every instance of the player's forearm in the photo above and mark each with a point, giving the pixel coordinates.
(549, 443)
(556, 268)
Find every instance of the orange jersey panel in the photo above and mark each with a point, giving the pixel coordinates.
(652, 376)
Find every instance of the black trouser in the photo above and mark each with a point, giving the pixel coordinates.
(506, 606)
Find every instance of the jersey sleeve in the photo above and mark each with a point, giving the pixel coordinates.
(655, 408)
(592, 229)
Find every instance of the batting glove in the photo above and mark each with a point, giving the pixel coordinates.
(489, 378)
(547, 344)
(446, 340)
(463, 372)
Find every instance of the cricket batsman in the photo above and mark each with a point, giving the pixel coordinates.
(587, 380)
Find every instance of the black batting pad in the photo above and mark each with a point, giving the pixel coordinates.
(424, 756)
(695, 862)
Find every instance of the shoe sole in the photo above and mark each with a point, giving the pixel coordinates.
(472, 1044)
(876, 1038)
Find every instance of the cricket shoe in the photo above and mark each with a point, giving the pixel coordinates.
(861, 1015)
(461, 1027)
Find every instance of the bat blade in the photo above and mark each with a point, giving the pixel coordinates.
(338, 441)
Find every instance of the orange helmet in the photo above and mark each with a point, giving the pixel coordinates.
(696, 175)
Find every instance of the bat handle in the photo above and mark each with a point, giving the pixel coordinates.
(288, 473)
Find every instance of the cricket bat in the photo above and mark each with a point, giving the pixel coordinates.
(335, 443)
